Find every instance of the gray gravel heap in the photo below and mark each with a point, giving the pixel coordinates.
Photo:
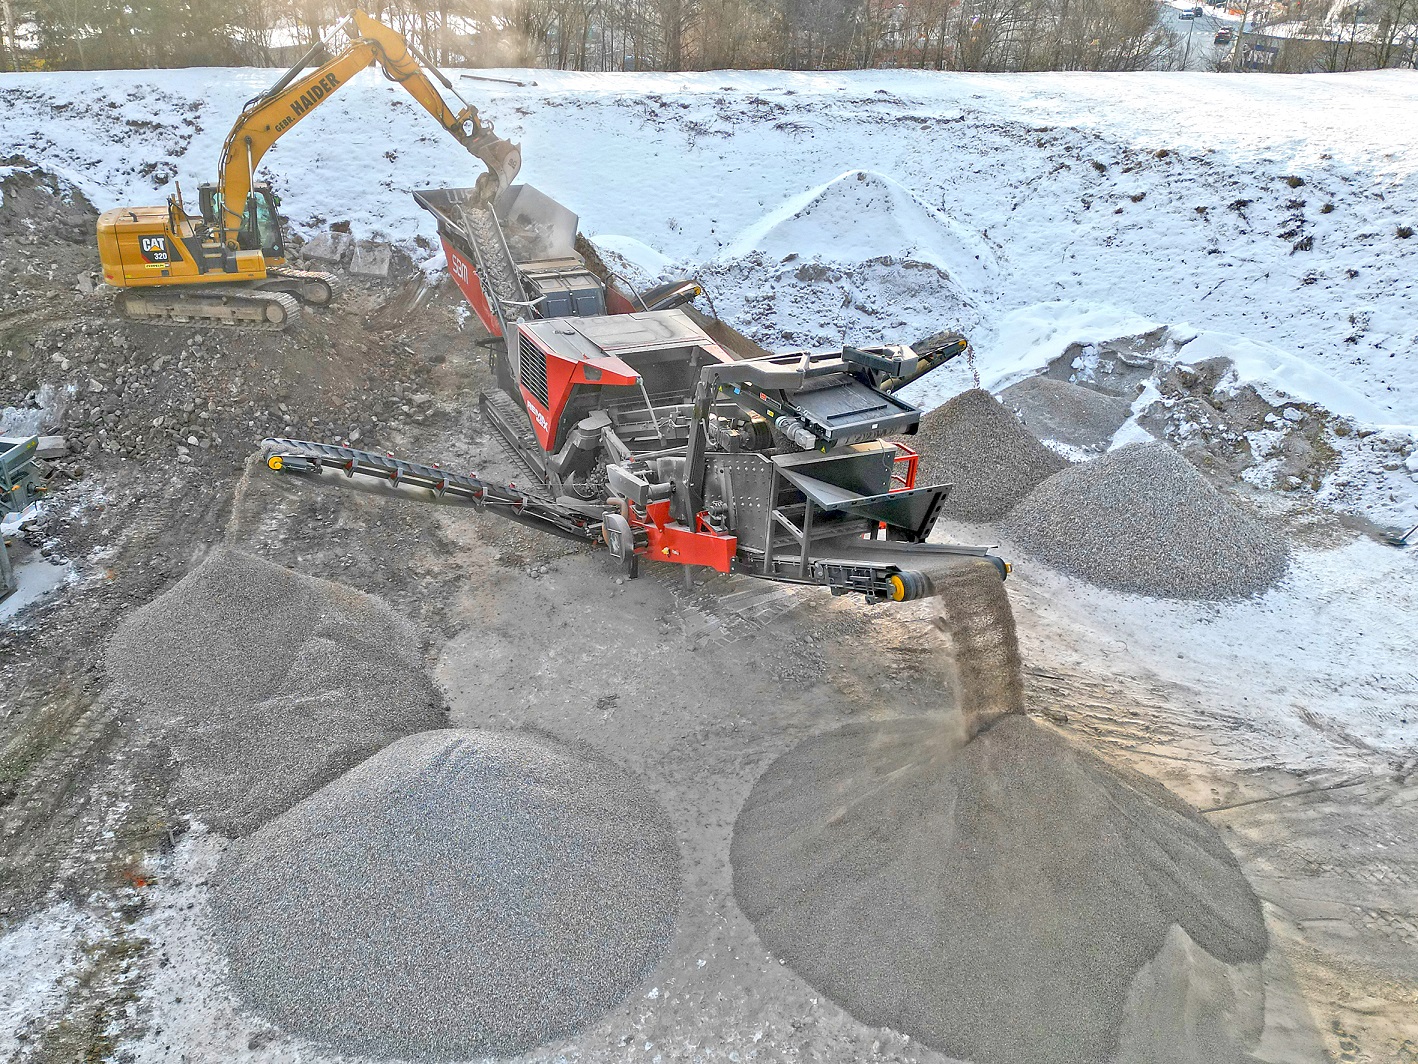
(979, 447)
(460, 893)
(1069, 413)
(996, 902)
(1142, 519)
(269, 684)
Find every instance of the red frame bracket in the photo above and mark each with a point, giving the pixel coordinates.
(669, 541)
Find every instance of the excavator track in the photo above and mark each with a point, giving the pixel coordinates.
(232, 306)
(312, 288)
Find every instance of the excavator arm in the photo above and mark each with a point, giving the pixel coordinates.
(269, 116)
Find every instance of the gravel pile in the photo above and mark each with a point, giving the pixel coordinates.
(1142, 519)
(1000, 901)
(979, 447)
(269, 684)
(459, 893)
(1069, 413)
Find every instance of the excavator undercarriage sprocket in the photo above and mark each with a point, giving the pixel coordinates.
(230, 305)
(311, 288)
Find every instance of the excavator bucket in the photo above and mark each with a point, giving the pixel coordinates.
(503, 160)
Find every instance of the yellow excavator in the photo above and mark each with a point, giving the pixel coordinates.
(226, 265)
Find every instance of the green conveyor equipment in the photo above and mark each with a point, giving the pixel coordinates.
(19, 487)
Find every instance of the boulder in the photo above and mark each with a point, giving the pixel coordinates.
(371, 258)
(329, 247)
(51, 447)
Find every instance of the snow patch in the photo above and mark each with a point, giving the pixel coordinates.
(35, 577)
(637, 253)
(38, 962)
(1279, 376)
(1337, 667)
(860, 216)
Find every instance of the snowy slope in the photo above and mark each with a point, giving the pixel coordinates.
(693, 165)
(1258, 215)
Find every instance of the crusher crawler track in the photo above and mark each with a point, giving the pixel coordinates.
(514, 430)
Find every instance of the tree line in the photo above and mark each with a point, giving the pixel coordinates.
(603, 34)
(965, 35)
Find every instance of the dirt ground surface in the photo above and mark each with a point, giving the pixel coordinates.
(694, 689)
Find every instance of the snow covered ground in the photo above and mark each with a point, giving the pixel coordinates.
(1319, 666)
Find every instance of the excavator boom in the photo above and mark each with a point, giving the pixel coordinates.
(269, 116)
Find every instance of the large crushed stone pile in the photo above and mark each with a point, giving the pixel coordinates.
(1000, 901)
(979, 447)
(1068, 413)
(460, 893)
(269, 684)
(1142, 519)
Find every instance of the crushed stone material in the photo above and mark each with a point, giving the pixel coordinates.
(458, 894)
(1143, 519)
(1186, 1007)
(976, 616)
(975, 444)
(1067, 413)
(269, 684)
(997, 900)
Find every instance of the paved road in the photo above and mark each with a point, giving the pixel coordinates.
(1203, 52)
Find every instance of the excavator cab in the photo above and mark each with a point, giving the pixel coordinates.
(260, 228)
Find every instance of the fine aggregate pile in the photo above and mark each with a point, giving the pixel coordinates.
(460, 893)
(979, 447)
(1000, 900)
(268, 684)
(1143, 519)
(1069, 413)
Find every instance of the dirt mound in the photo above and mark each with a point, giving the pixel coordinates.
(269, 684)
(40, 206)
(979, 447)
(1069, 413)
(459, 893)
(1142, 519)
(997, 901)
(860, 216)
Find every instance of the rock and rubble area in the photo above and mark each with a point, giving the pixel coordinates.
(149, 431)
(1229, 428)
(105, 882)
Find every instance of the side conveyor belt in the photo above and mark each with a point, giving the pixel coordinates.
(506, 500)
